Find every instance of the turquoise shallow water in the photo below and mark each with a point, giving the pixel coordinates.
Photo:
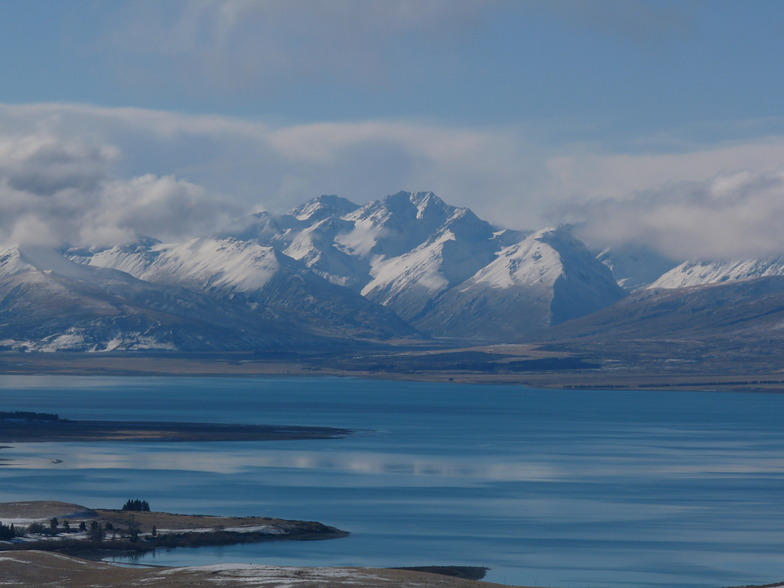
(558, 488)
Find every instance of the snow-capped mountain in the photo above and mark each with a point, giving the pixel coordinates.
(696, 273)
(394, 225)
(407, 265)
(364, 247)
(49, 303)
(546, 279)
(322, 207)
(264, 280)
(225, 265)
(410, 282)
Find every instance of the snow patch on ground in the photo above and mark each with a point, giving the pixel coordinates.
(22, 522)
(268, 529)
(27, 563)
(261, 575)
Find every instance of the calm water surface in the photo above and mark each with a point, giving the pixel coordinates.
(550, 488)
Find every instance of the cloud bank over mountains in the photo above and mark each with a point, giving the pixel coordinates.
(730, 216)
(81, 174)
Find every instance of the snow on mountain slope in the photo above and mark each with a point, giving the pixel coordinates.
(585, 285)
(270, 283)
(315, 247)
(547, 278)
(353, 246)
(394, 225)
(227, 265)
(408, 283)
(323, 207)
(49, 303)
(530, 263)
(696, 273)
(11, 262)
(635, 266)
(341, 241)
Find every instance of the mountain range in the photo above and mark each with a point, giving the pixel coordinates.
(405, 268)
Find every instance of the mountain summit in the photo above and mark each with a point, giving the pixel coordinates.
(329, 271)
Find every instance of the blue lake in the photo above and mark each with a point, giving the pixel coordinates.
(549, 488)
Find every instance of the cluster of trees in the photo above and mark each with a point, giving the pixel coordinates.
(95, 530)
(137, 505)
(54, 527)
(8, 532)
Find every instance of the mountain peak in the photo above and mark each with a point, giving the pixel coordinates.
(321, 207)
(11, 261)
(428, 203)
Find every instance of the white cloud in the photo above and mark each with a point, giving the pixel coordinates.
(730, 216)
(58, 187)
(256, 165)
(43, 164)
(587, 173)
(715, 202)
(164, 207)
(91, 175)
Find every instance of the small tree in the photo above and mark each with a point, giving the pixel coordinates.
(96, 531)
(133, 529)
(53, 524)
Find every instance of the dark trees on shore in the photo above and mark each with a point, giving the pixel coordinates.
(7, 532)
(137, 505)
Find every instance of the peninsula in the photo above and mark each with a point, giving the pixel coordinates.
(78, 530)
(24, 426)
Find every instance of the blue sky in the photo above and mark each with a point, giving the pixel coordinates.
(657, 121)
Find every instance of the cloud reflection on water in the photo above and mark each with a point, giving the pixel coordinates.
(232, 459)
(236, 461)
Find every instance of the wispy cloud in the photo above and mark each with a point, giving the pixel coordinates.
(225, 46)
(631, 20)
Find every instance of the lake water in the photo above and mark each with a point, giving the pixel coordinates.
(548, 488)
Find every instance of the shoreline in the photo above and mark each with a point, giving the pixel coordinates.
(32, 431)
(519, 364)
(36, 568)
(74, 562)
(74, 529)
